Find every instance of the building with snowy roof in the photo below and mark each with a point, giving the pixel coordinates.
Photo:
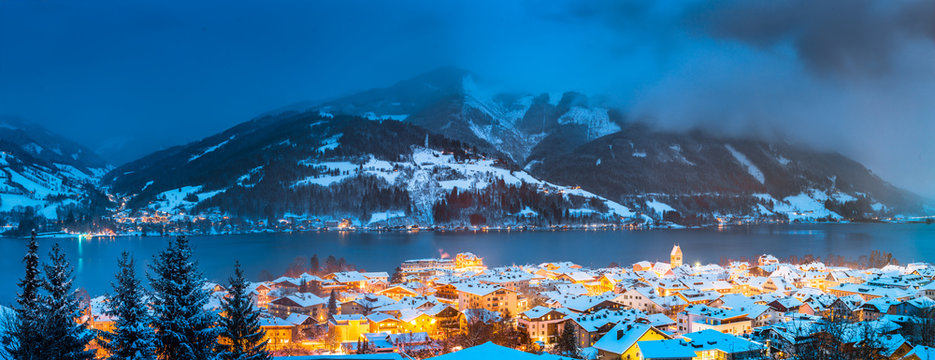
(620, 341)
(699, 317)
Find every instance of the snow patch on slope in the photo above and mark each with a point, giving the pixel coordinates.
(381, 117)
(742, 159)
(385, 215)
(659, 207)
(330, 143)
(596, 120)
(33, 148)
(210, 149)
(806, 206)
(24, 184)
(174, 200)
(431, 173)
(243, 179)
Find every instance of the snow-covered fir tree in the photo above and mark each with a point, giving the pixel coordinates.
(332, 304)
(567, 344)
(132, 338)
(242, 337)
(65, 338)
(25, 340)
(184, 329)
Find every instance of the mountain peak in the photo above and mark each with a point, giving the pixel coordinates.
(442, 77)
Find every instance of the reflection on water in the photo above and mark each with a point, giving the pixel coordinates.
(95, 259)
(805, 232)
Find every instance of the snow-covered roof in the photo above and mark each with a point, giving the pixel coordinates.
(301, 299)
(663, 349)
(659, 320)
(348, 317)
(676, 250)
(622, 336)
(477, 288)
(487, 351)
(713, 339)
(873, 291)
(714, 313)
(592, 322)
(380, 317)
(922, 352)
(581, 303)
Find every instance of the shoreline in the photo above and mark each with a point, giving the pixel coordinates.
(459, 230)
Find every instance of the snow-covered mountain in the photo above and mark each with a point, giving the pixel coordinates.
(309, 165)
(450, 102)
(440, 149)
(43, 171)
(574, 140)
(696, 173)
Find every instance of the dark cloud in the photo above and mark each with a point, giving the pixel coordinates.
(127, 78)
(842, 37)
(840, 75)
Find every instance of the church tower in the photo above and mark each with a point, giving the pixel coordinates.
(675, 258)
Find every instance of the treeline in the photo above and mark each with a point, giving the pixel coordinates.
(860, 208)
(314, 266)
(358, 196)
(171, 322)
(86, 214)
(499, 200)
(699, 209)
(876, 259)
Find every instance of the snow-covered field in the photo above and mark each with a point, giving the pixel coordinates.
(428, 174)
(806, 206)
(40, 187)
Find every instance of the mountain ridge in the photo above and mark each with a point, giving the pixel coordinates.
(46, 177)
(439, 149)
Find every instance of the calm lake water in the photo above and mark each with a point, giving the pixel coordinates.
(95, 260)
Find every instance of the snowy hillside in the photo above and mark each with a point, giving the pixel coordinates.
(320, 156)
(455, 104)
(443, 147)
(42, 172)
(427, 174)
(712, 178)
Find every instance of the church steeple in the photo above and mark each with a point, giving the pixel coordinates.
(675, 258)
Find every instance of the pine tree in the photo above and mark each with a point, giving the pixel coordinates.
(332, 305)
(132, 338)
(315, 268)
(397, 276)
(67, 340)
(184, 329)
(331, 264)
(567, 342)
(241, 324)
(25, 341)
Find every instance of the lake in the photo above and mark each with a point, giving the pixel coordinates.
(95, 260)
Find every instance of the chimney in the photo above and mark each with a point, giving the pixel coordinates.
(619, 334)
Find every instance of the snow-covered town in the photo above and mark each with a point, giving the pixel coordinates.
(467, 180)
(458, 308)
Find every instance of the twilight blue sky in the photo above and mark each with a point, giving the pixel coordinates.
(130, 77)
